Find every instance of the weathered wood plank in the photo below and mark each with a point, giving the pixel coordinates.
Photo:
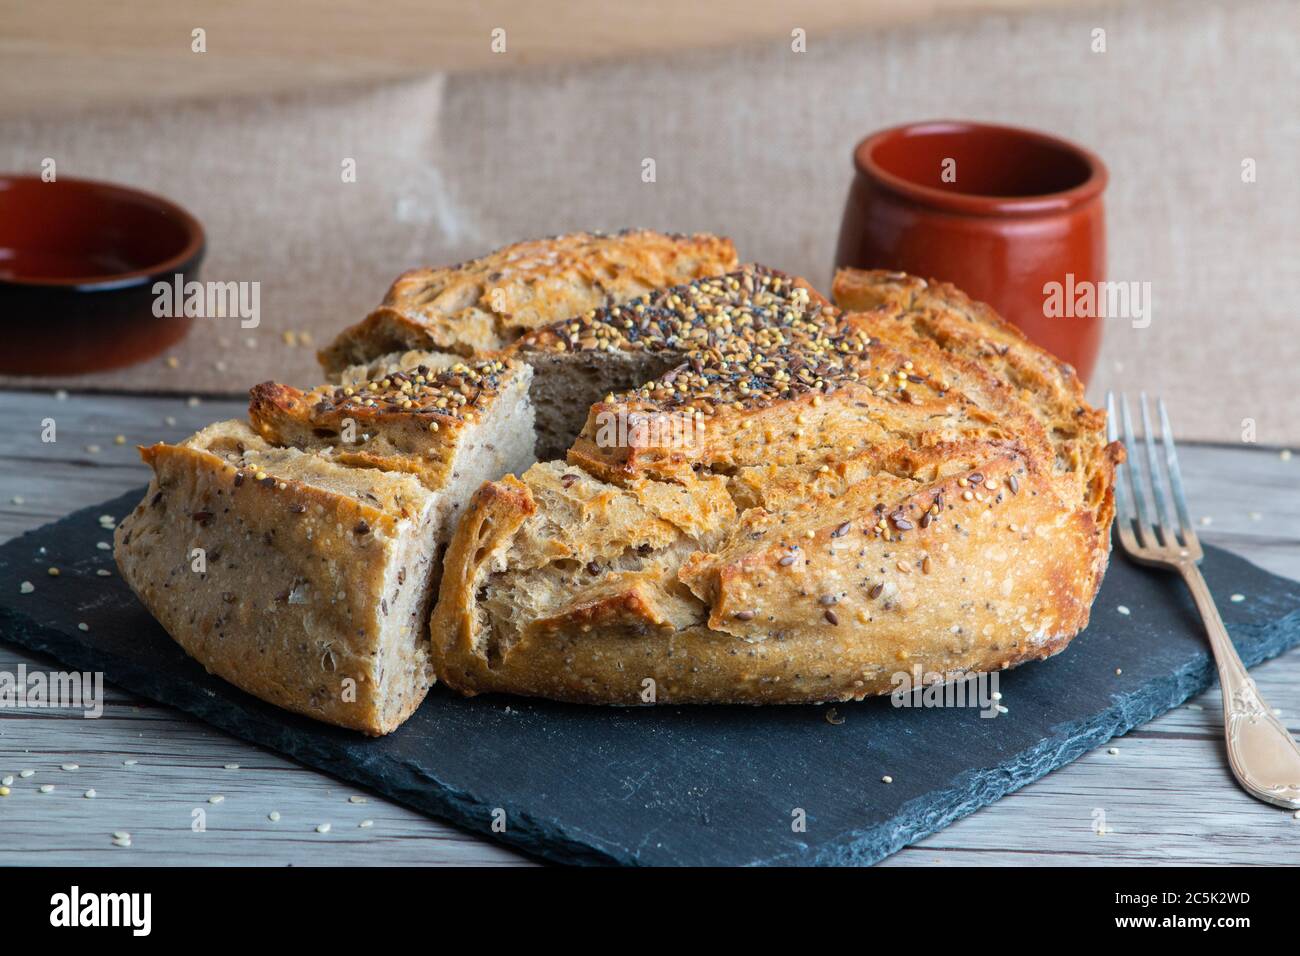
(1167, 795)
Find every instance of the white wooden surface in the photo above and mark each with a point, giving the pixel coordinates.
(1166, 795)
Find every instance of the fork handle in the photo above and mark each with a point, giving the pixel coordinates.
(1263, 756)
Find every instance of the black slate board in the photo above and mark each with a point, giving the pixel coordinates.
(682, 785)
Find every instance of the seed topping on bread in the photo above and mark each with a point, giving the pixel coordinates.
(707, 313)
(458, 392)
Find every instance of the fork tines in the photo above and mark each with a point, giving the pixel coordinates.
(1147, 526)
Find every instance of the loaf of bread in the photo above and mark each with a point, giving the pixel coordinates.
(808, 503)
(745, 493)
(297, 558)
(486, 304)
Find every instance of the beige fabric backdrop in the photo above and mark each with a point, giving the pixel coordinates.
(754, 143)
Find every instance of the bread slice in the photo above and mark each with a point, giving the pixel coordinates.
(321, 531)
(452, 429)
(811, 508)
(296, 578)
(487, 303)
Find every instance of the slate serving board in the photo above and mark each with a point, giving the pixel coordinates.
(682, 785)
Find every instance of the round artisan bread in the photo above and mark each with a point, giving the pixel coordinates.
(809, 501)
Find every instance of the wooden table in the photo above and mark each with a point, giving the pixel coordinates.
(1167, 794)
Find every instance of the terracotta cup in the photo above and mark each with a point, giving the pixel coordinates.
(997, 211)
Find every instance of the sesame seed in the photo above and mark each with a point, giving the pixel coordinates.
(90, 794)
(69, 766)
(4, 791)
(26, 773)
(26, 587)
(886, 779)
(46, 788)
(1237, 598)
(52, 572)
(1123, 610)
(366, 824)
(216, 798)
(357, 799)
(274, 816)
(83, 626)
(230, 766)
(744, 615)
(1113, 751)
(323, 828)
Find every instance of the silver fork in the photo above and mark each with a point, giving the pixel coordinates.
(1263, 756)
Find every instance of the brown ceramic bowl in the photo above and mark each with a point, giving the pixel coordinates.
(1024, 210)
(78, 261)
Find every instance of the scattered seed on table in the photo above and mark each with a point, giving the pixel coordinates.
(1285, 454)
(356, 799)
(46, 788)
(7, 779)
(119, 439)
(1113, 751)
(26, 773)
(122, 841)
(83, 626)
(366, 824)
(231, 766)
(103, 546)
(4, 791)
(1195, 707)
(996, 695)
(1123, 610)
(274, 816)
(52, 571)
(121, 835)
(1237, 598)
(103, 573)
(17, 499)
(69, 766)
(1118, 671)
(886, 779)
(1002, 709)
(323, 828)
(216, 798)
(26, 587)
(90, 794)
(92, 449)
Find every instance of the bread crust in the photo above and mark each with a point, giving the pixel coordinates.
(487, 303)
(939, 496)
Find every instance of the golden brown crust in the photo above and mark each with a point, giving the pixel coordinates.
(937, 493)
(487, 303)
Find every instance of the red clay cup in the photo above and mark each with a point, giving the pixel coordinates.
(999, 212)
